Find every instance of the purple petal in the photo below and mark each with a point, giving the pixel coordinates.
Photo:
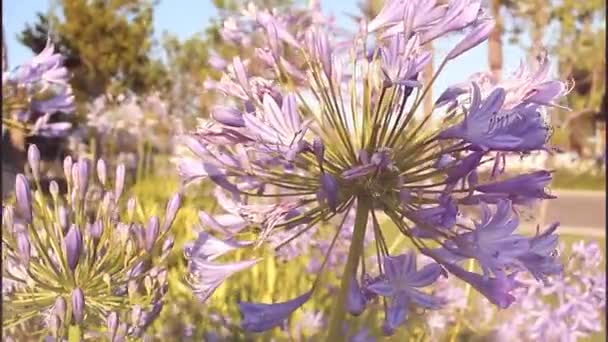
(262, 317)
(426, 276)
(381, 287)
(479, 34)
(208, 247)
(355, 302)
(207, 276)
(395, 314)
(228, 116)
(424, 300)
(496, 290)
(241, 74)
(228, 224)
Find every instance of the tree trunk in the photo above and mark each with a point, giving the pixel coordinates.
(4, 52)
(495, 41)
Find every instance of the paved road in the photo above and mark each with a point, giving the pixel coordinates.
(577, 209)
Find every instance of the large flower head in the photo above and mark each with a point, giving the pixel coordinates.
(351, 134)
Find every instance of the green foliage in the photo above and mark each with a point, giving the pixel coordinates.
(107, 44)
(580, 35)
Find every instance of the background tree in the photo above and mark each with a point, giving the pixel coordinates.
(4, 52)
(577, 32)
(108, 45)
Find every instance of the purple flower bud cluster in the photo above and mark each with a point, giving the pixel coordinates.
(298, 147)
(69, 254)
(34, 93)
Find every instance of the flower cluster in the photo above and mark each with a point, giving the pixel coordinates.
(34, 94)
(129, 128)
(305, 150)
(274, 36)
(72, 263)
(568, 309)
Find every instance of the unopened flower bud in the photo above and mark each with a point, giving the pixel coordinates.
(67, 169)
(74, 196)
(23, 246)
(107, 202)
(137, 269)
(120, 181)
(102, 171)
(136, 315)
(112, 324)
(148, 283)
(131, 204)
(329, 191)
(319, 149)
(96, 230)
(8, 217)
(121, 333)
(63, 218)
(83, 177)
(150, 316)
(24, 198)
(73, 246)
(167, 246)
(53, 326)
(60, 308)
(151, 233)
(33, 158)
(161, 278)
(54, 190)
(171, 212)
(78, 305)
(355, 302)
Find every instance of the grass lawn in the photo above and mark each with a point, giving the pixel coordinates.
(586, 181)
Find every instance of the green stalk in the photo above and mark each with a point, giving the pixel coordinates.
(75, 333)
(354, 253)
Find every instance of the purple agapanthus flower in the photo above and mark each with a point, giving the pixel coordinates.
(400, 282)
(300, 143)
(492, 242)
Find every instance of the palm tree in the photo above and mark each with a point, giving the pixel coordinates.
(495, 40)
(4, 52)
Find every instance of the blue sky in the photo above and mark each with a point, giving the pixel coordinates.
(187, 17)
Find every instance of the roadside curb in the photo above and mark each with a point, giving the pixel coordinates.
(584, 193)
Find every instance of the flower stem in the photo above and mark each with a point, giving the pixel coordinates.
(354, 253)
(75, 333)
